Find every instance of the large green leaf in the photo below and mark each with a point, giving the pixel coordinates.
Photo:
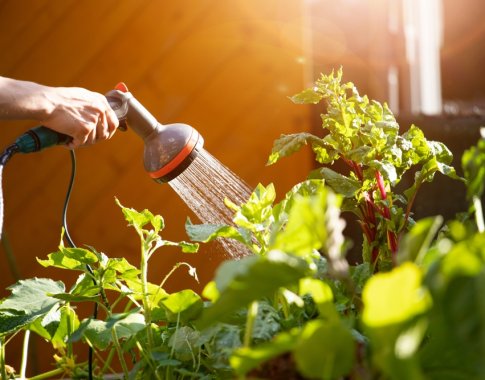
(308, 225)
(394, 297)
(30, 299)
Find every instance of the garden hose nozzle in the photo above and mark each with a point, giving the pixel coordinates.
(169, 149)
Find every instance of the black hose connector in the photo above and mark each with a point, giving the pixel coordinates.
(39, 138)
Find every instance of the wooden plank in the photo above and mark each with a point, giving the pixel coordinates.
(152, 34)
(16, 17)
(64, 49)
(25, 28)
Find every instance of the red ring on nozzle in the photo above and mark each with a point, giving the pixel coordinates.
(179, 158)
(121, 87)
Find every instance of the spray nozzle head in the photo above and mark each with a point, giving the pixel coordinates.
(169, 149)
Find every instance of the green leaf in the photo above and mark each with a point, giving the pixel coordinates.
(30, 299)
(99, 333)
(252, 278)
(325, 350)
(184, 343)
(56, 326)
(473, 163)
(308, 96)
(70, 258)
(208, 232)
(184, 306)
(140, 219)
(322, 296)
(339, 183)
(394, 297)
(307, 227)
(286, 145)
(188, 247)
(387, 170)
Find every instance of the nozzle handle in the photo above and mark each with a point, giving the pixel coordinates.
(39, 138)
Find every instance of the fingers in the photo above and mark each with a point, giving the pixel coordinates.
(102, 128)
(84, 115)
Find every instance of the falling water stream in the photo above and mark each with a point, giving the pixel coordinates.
(203, 186)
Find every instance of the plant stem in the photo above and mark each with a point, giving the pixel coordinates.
(144, 285)
(25, 349)
(120, 353)
(478, 214)
(250, 320)
(3, 369)
(47, 375)
(108, 361)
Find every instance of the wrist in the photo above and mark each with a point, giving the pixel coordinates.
(25, 100)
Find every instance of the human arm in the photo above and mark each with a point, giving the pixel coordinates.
(82, 114)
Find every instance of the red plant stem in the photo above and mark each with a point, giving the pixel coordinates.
(382, 189)
(380, 184)
(358, 170)
(392, 241)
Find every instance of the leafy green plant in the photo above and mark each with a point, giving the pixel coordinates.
(295, 308)
(364, 135)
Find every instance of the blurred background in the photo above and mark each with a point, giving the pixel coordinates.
(226, 68)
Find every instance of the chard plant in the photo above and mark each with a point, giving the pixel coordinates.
(364, 135)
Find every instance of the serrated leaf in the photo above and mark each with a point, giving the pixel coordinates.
(307, 96)
(30, 299)
(286, 145)
(139, 219)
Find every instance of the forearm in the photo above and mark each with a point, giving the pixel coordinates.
(24, 100)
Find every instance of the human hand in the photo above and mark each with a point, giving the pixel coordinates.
(83, 115)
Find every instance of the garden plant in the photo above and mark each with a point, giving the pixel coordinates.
(411, 308)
